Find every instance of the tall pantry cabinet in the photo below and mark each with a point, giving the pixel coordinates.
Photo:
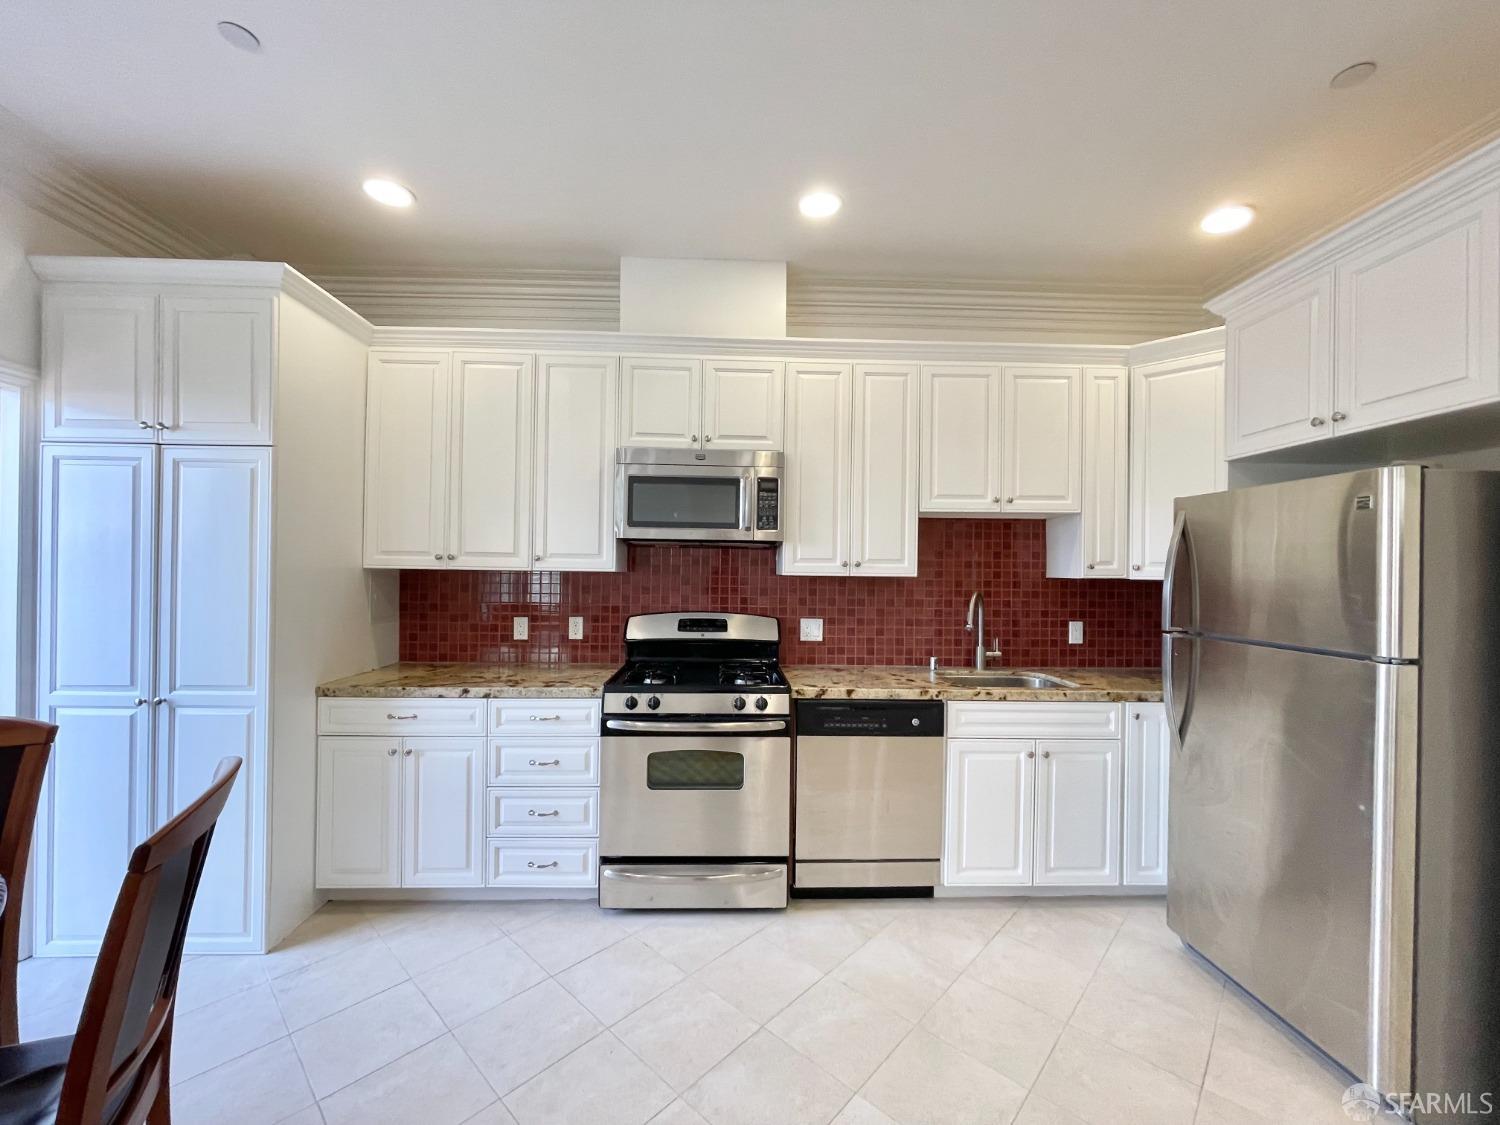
(191, 426)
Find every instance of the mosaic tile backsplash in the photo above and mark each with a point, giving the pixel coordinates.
(466, 615)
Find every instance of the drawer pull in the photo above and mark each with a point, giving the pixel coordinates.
(545, 718)
(540, 866)
(553, 762)
(533, 812)
(392, 715)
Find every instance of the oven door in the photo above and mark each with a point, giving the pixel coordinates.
(692, 502)
(689, 796)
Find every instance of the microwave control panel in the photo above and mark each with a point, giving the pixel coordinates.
(767, 504)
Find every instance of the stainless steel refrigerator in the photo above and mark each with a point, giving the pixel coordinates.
(1331, 663)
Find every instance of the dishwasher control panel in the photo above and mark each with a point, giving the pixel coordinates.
(870, 718)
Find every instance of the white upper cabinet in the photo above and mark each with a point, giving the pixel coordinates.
(1419, 319)
(99, 365)
(1281, 355)
(489, 461)
(1096, 542)
(661, 402)
(884, 481)
(216, 366)
(1041, 467)
(815, 485)
(743, 403)
(1148, 753)
(960, 438)
(1078, 812)
(573, 482)
(406, 458)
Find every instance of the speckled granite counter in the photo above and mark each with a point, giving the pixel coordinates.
(1095, 685)
(474, 681)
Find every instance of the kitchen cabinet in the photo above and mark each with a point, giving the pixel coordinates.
(961, 414)
(851, 482)
(1148, 755)
(1077, 813)
(1095, 543)
(359, 812)
(989, 830)
(406, 458)
(1281, 351)
(743, 403)
(681, 403)
(1041, 463)
(489, 462)
(442, 838)
(216, 370)
(573, 486)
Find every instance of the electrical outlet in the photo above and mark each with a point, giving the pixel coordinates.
(1075, 632)
(812, 629)
(520, 628)
(575, 628)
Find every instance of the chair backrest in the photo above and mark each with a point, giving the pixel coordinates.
(25, 747)
(118, 1063)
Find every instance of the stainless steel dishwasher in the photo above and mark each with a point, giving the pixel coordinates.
(869, 794)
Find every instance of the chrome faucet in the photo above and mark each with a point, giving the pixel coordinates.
(974, 623)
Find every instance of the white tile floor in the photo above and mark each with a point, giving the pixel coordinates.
(943, 1012)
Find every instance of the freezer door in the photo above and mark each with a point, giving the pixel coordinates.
(1273, 790)
(1330, 563)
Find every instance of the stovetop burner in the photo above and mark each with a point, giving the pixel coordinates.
(699, 664)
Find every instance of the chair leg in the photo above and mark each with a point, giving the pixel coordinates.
(10, 940)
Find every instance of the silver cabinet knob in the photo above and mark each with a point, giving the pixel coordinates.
(706, 439)
(392, 751)
(159, 700)
(844, 563)
(1338, 415)
(1031, 753)
(140, 702)
(536, 558)
(695, 437)
(408, 751)
(1135, 566)
(162, 426)
(1010, 499)
(857, 562)
(438, 556)
(996, 500)
(1090, 566)
(453, 556)
(1137, 716)
(1315, 422)
(144, 425)
(1045, 753)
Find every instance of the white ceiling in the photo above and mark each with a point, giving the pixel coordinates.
(1070, 141)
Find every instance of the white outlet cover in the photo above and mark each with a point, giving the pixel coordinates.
(520, 628)
(575, 628)
(1075, 632)
(812, 629)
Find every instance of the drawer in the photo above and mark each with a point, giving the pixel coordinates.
(542, 812)
(544, 717)
(542, 863)
(401, 716)
(1033, 720)
(544, 761)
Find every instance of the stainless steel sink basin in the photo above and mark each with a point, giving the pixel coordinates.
(1035, 681)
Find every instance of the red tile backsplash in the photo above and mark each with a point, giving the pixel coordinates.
(466, 615)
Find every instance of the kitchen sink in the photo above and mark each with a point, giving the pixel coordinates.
(1032, 680)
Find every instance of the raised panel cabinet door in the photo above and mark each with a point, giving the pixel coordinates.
(1148, 755)
(1105, 504)
(359, 812)
(489, 472)
(212, 670)
(408, 404)
(442, 828)
(216, 370)
(816, 481)
(98, 366)
(743, 403)
(661, 402)
(95, 603)
(1078, 813)
(1176, 449)
(1279, 355)
(1419, 319)
(573, 516)
(884, 480)
(988, 831)
(1041, 464)
(960, 438)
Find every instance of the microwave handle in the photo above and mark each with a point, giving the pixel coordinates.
(747, 489)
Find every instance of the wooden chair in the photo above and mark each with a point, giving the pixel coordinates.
(114, 1071)
(25, 747)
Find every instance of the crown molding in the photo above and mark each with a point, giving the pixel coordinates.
(34, 172)
(1207, 344)
(586, 300)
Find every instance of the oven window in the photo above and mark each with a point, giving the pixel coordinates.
(707, 502)
(695, 769)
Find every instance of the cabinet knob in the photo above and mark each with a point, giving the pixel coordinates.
(144, 425)
(857, 562)
(439, 557)
(844, 563)
(159, 700)
(1091, 566)
(1135, 566)
(536, 558)
(1045, 753)
(1315, 422)
(392, 751)
(162, 426)
(1031, 753)
(1137, 716)
(1010, 499)
(707, 439)
(997, 500)
(140, 702)
(452, 556)
(408, 751)
(1338, 415)
(695, 437)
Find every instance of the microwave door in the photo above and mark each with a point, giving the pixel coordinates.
(682, 502)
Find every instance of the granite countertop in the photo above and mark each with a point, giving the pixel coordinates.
(411, 680)
(849, 681)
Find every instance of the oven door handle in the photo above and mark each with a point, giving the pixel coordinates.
(686, 873)
(641, 726)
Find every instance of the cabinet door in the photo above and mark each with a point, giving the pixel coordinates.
(742, 403)
(573, 515)
(212, 662)
(988, 825)
(661, 402)
(816, 481)
(1419, 319)
(442, 833)
(883, 499)
(98, 365)
(359, 812)
(1148, 754)
(489, 467)
(95, 603)
(1106, 472)
(960, 438)
(216, 366)
(406, 458)
(1078, 813)
(1041, 451)
(1176, 449)
(1280, 369)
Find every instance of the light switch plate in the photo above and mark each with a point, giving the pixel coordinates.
(812, 629)
(1075, 632)
(520, 628)
(575, 628)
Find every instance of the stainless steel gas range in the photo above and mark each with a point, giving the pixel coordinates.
(697, 765)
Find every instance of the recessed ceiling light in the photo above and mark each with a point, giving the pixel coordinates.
(1351, 75)
(389, 192)
(819, 204)
(1227, 220)
(239, 36)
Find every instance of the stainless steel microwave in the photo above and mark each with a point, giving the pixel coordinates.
(698, 495)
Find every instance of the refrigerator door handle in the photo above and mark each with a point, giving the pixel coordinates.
(1175, 547)
(1179, 726)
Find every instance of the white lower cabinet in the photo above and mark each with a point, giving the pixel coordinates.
(1148, 754)
(991, 786)
(544, 862)
(442, 780)
(1077, 813)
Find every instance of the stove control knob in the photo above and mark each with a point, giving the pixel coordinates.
(739, 703)
(654, 702)
(632, 702)
(761, 704)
